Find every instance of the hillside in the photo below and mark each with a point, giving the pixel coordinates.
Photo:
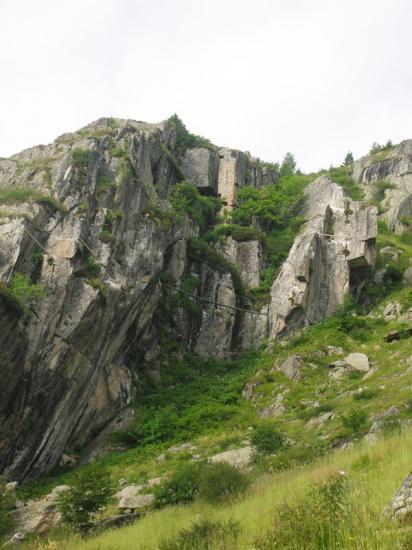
(164, 298)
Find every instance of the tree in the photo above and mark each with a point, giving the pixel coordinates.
(89, 493)
(348, 159)
(288, 166)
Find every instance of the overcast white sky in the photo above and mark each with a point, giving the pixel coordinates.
(317, 78)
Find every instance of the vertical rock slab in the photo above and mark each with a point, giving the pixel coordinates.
(328, 258)
(201, 167)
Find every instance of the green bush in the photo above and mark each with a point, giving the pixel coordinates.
(186, 199)
(205, 535)
(105, 184)
(21, 294)
(90, 491)
(238, 233)
(15, 195)
(312, 523)
(355, 422)
(221, 481)
(120, 152)
(182, 487)
(364, 394)
(267, 439)
(343, 176)
(6, 507)
(53, 204)
(81, 157)
(185, 139)
(379, 190)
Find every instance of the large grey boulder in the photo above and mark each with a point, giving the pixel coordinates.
(240, 458)
(135, 502)
(353, 362)
(40, 516)
(330, 256)
(401, 504)
(291, 367)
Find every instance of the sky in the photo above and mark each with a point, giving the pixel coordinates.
(317, 78)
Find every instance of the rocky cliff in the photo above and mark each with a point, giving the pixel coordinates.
(391, 166)
(88, 219)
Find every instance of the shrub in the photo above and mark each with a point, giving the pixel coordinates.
(91, 267)
(105, 184)
(89, 493)
(312, 523)
(204, 535)
(364, 394)
(200, 251)
(379, 190)
(120, 152)
(267, 439)
(355, 422)
(182, 487)
(81, 157)
(186, 199)
(185, 139)
(221, 481)
(53, 204)
(6, 507)
(343, 176)
(20, 294)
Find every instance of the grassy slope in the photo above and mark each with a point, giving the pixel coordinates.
(374, 473)
(205, 406)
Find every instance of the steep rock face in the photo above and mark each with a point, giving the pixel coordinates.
(394, 167)
(65, 366)
(83, 225)
(328, 258)
(201, 167)
(87, 218)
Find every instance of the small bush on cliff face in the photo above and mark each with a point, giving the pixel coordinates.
(20, 294)
(185, 139)
(6, 506)
(186, 199)
(89, 493)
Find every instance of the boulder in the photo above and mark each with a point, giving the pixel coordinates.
(392, 310)
(390, 253)
(401, 503)
(277, 408)
(291, 367)
(130, 491)
(240, 458)
(135, 502)
(40, 516)
(353, 362)
(358, 361)
(407, 276)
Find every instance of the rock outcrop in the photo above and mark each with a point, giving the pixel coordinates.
(87, 218)
(395, 167)
(330, 256)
